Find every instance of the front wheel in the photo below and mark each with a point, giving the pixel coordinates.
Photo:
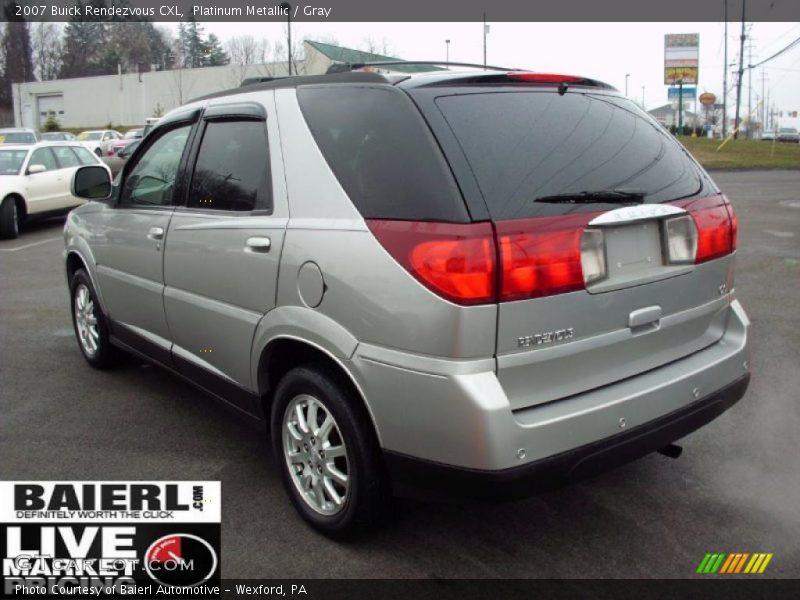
(327, 452)
(91, 328)
(9, 219)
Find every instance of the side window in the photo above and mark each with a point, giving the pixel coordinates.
(85, 156)
(66, 158)
(106, 136)
(43, 156)
(152, 179)
(232, 168)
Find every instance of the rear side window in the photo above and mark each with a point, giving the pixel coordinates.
(530, 151)
(85, 156)
(382, 153)
(232, 168)
(66, 158)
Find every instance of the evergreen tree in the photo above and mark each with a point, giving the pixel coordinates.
(216, 54)
(197, 49)
(17, 53)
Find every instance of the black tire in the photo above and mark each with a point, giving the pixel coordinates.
(368, 493)
(9, 219)
(106, 355)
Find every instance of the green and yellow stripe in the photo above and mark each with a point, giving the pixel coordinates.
(735, 562)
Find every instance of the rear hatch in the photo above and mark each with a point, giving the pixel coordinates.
(613, 246)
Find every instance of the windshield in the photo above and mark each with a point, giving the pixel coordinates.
(53, 137)
(11, 161)
(537, 153)
(17, 137)
(90, 136)
(132, 134)
(788, 130)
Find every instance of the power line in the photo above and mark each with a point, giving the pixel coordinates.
(777, 54)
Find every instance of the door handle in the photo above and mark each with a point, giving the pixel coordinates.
(650, 315)
(156, 233)
(257, 244)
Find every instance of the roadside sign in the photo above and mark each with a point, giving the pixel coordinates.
(707, 99)
(681, 58)
(689, 93)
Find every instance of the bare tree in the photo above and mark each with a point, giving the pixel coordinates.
(245, 51)
(382, 47)
(47, 50)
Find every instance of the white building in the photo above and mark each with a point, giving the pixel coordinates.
(127, 100)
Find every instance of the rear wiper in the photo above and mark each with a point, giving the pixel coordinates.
(597, 196)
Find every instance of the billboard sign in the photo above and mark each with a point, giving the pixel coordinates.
(681, 58)
(689, 93)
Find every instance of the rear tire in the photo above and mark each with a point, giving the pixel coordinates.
(328, 456)
(9, 219)
(90, 325)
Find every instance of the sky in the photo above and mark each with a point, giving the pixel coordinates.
(604, 51)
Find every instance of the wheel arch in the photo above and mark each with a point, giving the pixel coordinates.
(285, 352)
(22, 205)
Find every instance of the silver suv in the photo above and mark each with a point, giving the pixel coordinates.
(454, 283)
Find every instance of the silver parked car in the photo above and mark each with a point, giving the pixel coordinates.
(450, 284)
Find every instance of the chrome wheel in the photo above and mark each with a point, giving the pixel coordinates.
(86, 320)
(316, 455)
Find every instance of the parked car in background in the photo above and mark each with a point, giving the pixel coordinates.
(98, 141)
(788, 134)
(115, 163)
(767, 135)
(519, 305)
(117, 145)
(149, 123)
(58, 136)
(35, 181)
(18, 135)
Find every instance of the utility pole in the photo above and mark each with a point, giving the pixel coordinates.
(288, 8)
(626, 83)
(643, 106)
(447, 51)
(725, 79)
(484, 41)
(741, 74)
(749, 82)
(763, 100)
(680, 107)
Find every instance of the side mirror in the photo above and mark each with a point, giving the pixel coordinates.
(91, 182)
(33, 169)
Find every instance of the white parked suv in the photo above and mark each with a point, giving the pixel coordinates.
(35, 181)
(98, 141)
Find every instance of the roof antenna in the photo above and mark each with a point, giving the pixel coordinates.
(562, 88)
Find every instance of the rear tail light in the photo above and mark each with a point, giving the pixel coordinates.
(680, 240)
(456, 261)
(538, 257)
(716, 226)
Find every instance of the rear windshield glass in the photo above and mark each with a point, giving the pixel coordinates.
(539, 153)
(382, 153)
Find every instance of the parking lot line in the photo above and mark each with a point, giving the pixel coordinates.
(31, 245)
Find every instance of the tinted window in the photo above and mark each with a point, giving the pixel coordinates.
(526, 147)
(11, 161)
(382, 153)
(66, 157)
(17, 137)
(232, 167)
(43, 156)
(84, 156)
(152, 180)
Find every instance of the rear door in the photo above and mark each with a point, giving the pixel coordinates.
(548, 167)
(224, 247)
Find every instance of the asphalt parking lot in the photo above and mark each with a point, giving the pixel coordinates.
(735, 489)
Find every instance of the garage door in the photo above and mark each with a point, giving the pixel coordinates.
(48, 105)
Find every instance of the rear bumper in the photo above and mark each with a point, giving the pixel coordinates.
(420, 478)
(456, 414)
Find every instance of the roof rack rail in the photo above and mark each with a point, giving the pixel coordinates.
(342, 67)
(252, 80)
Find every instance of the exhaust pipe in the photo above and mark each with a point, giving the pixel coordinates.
(672, 451)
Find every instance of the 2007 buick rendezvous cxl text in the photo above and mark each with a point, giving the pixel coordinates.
(463, 283)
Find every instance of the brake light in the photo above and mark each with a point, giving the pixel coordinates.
(543, 77)
(716, 226)
(541, 256)
(456, 261)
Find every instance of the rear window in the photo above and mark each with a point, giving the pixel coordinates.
(382, 153)
(525, 148)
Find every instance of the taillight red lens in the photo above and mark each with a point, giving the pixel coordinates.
(716, 226)
(541, 256)
(457, 261)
